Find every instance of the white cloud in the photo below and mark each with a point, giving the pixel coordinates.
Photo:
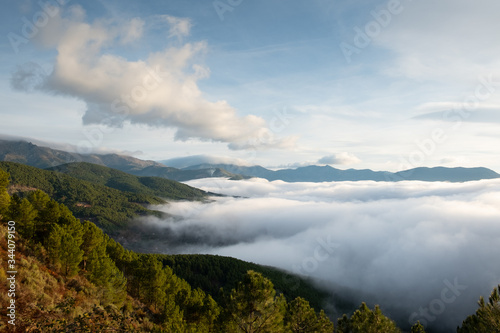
(161, 91)
(395, 243)
(339, 159)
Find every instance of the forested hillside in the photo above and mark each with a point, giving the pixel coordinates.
(110, 200)
(153, 186)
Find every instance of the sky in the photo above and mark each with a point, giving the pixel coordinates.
(386, 85)
(422, 251)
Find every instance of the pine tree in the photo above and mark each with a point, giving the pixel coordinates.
(324, 325)
(210, 313)
(38, 199)
(417, 328)
(4, 180)
(101, 269)
(64, 250)
(104, 273)
(4, 196)
(301, 318)
(48, 214)
(172, 317)
(486, 318)
(254, 307)
(150, 280)
(92, 237)
(23, 212)
(367, 321)
(124, 259)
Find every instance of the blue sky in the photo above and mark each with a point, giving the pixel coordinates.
(386, 85)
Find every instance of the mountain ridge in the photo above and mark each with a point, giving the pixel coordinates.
(27, 153)
(43, 157)
(316, 173)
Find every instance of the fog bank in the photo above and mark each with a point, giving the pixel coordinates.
(423, 251)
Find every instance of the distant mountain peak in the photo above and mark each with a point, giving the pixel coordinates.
(326, 173)
(42, 157)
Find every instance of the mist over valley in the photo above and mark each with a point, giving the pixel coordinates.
(401, 245)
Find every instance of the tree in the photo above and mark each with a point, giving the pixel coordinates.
(4, 196)
(92, 237)
(104, 273)
(301, 318)
(48, 214)
(417, 328)
(254, 307)
(486, 318)
(23, 212)
(150, 280)
(101, 269)
(365, 320)
(324, 323)
(64, 250)
(38, 199)
(124, 259)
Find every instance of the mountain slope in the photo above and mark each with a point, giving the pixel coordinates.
(44, 157)
(184, 175)
(249, 171)
(109, 207)
(123, 181)
(448, 174)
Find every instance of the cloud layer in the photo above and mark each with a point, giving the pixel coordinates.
(161, 90)
(399, 245)
(183, 162)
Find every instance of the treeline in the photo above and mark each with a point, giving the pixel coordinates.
(74, 278)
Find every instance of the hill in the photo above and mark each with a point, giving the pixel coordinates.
(184, 175)
(111, 208)
(43, 157)
(153, 186)
(448, 174)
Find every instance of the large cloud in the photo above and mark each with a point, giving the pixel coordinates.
(160, 90)
(409, 246)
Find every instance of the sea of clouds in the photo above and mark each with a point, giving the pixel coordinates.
(423, 251)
